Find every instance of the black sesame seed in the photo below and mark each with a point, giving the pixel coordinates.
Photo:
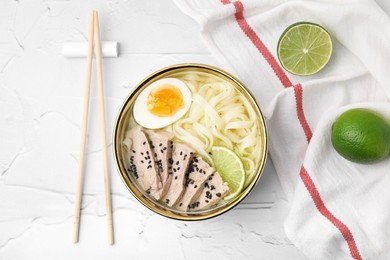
(181, 204)
(133, 151)
(218, 194)
(181, 153)
(177, 163)
(142, 161)
(142, 153)
(196, 186)
(207, 201)
(144, 143)
(160, 144)
(175, 177)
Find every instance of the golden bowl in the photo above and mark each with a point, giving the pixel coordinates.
(122, 122)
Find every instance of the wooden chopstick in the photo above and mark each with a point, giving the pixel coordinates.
(80, 179)
(98, 55)
(94, 46)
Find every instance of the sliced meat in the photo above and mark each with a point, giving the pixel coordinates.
(198, 172)
(143, 165)
(162, 145)
(181, 158)
(214, 190)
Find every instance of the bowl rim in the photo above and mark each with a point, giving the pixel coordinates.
(193, 216)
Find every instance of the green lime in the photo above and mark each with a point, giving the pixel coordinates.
(231, 169)
(361, 135)
(304, 48)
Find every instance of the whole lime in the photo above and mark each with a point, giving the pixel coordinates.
(361, 135)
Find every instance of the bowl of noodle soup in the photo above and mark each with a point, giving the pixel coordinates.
(222, 113)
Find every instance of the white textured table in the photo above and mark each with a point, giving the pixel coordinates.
(41, 96)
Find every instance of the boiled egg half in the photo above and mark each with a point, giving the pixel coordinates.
(162, 103)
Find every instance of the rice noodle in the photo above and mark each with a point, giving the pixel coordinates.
(219, 116)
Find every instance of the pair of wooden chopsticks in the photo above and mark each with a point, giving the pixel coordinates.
(94, 46)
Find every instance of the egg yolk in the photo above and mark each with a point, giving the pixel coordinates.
(165, 100)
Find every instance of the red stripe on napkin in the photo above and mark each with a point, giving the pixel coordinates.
(309, 184)
(247, 29)
(298, 92)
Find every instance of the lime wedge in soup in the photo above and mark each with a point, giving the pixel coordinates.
(231, 169)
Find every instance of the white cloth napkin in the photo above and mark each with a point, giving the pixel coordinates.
(339, 209)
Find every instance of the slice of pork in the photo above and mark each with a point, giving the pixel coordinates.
(181, 157)
(214, 190)
(143, 164)
(198, 172)
(161, 144)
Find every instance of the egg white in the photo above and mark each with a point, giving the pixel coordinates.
(148, 120)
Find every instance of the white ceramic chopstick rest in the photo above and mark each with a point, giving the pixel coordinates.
(80, 49)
